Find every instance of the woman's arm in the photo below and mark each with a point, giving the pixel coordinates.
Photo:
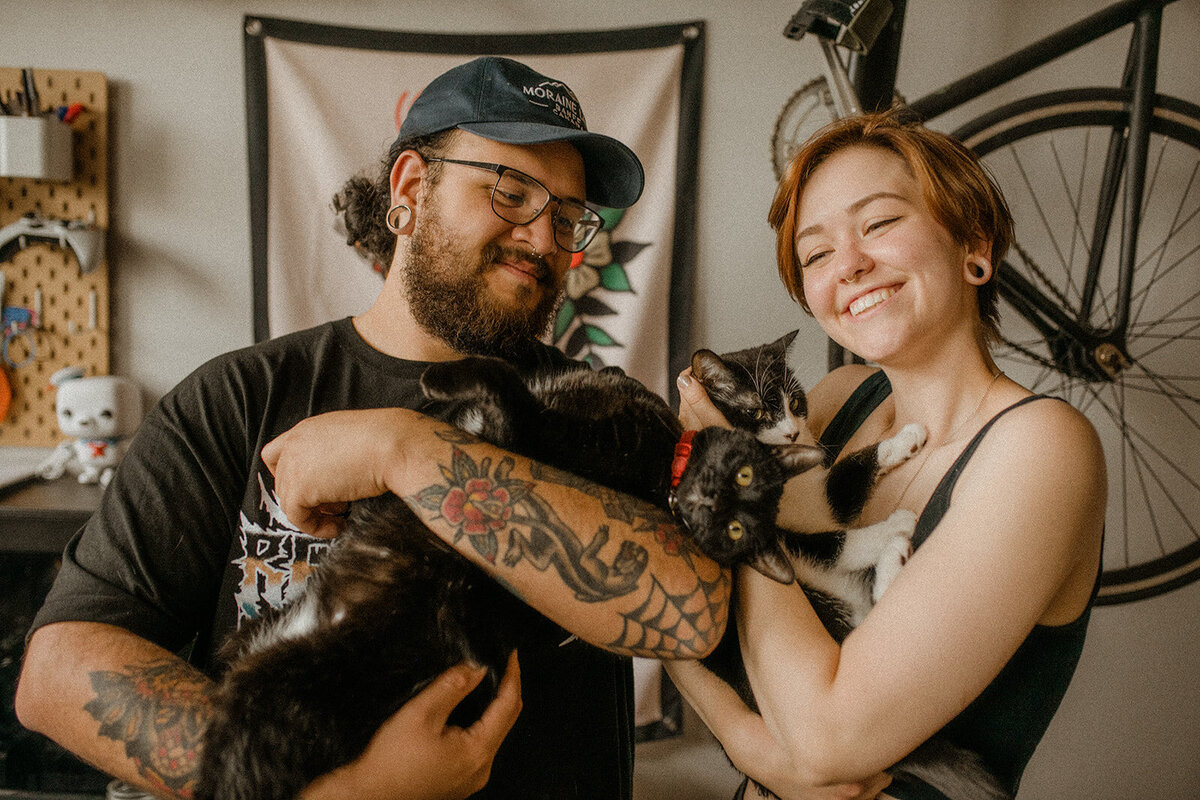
(750, 746)
(612, 569)
(1020, 543)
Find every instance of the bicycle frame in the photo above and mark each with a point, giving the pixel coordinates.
(1084, 348)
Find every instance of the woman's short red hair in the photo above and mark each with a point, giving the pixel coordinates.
(958, 190)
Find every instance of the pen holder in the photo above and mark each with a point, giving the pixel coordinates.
(35, 147)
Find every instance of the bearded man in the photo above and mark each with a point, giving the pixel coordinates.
(477, 211)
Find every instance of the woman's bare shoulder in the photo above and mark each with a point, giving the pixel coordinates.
(1052, 428)
(1045, 452)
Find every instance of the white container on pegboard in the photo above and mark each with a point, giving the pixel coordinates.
(35, 147)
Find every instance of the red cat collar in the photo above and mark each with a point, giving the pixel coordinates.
(683, 451)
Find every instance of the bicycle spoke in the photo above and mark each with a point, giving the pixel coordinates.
(1078, 233)
(1152, 178)
(1144, 328)
(1159, 392)
(1173, 394)
(1170, 338)
(1149, 512)
(1041, 211)
(1142, 293)
(1148, 194)
(1161, 249)
(1128, 433)
(1148, 331)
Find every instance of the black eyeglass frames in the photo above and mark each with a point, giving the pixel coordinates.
(520, 199)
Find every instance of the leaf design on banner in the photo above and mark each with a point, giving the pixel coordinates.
(577, 328)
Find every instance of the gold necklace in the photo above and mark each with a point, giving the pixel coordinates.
(950, 437)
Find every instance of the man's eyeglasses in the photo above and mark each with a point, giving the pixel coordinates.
(520, 199)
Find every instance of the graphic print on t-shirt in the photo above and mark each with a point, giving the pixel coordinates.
(274, 560)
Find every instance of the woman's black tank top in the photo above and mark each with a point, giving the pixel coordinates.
(1005, 723)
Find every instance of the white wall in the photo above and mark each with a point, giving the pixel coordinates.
(179, 246)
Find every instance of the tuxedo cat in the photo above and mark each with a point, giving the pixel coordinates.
(844, 570)
(391, 606)
(728, 497)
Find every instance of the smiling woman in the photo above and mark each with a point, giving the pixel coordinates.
(888, 234)
(862, 250)
(959, 196)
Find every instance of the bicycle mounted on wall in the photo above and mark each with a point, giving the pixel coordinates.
(1100, 296)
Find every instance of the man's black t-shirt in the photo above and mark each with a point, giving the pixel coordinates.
(189, 542)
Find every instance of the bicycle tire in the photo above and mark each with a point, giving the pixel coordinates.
(809, 109)
(1046, 153)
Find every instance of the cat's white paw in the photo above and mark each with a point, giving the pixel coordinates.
(895, 553)
(902, 522)
(901, 447)
(894, 556)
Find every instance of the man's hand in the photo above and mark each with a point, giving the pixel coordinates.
(326, 461)
(416, 755)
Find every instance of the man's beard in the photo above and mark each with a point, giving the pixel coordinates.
(449, 295)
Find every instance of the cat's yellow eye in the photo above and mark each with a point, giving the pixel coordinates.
(735, 530)
(744, 475)
(760, 415)
(794, 405)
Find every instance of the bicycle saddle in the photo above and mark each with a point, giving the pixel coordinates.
(854, 24)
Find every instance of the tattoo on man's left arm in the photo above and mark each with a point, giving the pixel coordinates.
(494, 510)
(158, 711)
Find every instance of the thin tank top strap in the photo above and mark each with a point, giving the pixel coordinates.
(865, 398)
(939, 501)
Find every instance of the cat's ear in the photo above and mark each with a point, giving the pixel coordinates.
(776, 565)
(784, 342)
(797, 458)
(710, 370)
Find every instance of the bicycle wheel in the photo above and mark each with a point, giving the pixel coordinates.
(809, 109)
(1048, 153)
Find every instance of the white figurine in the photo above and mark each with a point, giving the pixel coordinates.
(101, 413)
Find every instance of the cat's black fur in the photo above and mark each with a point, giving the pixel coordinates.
(842, 569)
(728, 499)
(391, 606)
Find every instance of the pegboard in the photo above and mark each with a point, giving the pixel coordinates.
(73, 327)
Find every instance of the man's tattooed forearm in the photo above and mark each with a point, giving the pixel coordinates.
(506, 518)
(158, 711)
(618, 506)
(669, 625)
(485, 504)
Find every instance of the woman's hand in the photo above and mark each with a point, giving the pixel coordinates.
(696, 411)
(416, 755)
(324, 462)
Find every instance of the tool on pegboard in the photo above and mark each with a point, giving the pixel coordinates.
(59, 279)
(16, 322)
(83, 238)
(6, 392)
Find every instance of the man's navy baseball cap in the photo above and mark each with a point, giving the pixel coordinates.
(506, 101)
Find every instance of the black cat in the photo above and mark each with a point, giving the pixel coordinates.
(391, 606)
(728, 497)
(844, 570)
